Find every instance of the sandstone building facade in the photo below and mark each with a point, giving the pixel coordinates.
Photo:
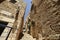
(45, 19)
(11, 19)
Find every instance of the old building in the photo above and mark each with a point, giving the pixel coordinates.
(11, 19)
(45, 19)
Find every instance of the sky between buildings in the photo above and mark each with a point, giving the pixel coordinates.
(28, 2)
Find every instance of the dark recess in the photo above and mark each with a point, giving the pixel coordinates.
(2, 28)
(13, 1)
(58, 2)
(1, 1)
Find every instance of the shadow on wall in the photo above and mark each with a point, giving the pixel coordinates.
(13, 1)
(1, 1)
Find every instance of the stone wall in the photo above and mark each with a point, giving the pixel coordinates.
(46, 15)
(12, 13)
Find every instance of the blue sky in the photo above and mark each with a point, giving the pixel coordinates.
(28, 2)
